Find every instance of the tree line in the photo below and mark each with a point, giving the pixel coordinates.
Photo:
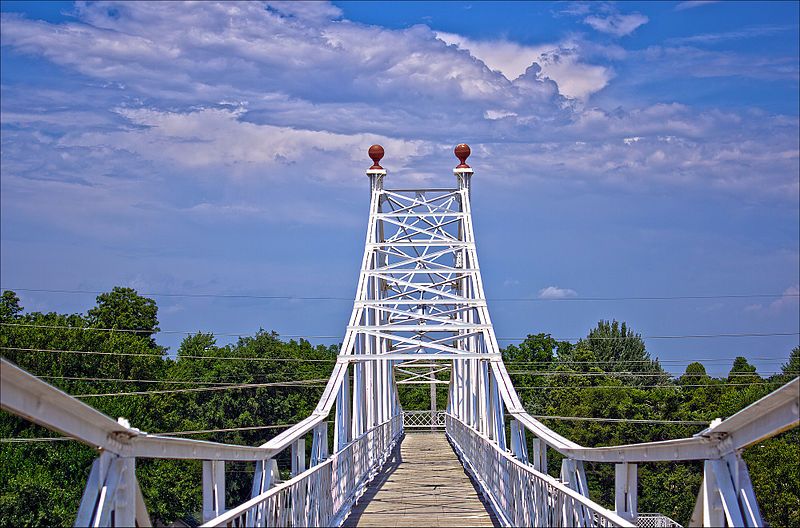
(111, 350)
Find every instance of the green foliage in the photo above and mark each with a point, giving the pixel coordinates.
(609, 374)
(618, 349)
(41, 483)
(9, 306)
(775, 471)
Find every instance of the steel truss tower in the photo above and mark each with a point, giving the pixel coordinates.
(420, 309)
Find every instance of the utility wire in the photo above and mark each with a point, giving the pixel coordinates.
(261, 427)
(637, 374)
(522, 372)
(498, 299)
(228, 430)
(147, 331)
(141, 354)
(311, 360)
(619, 420)
(121, 380)
(637, 387)
(301, 383)
(512, 372)
(228, 334)
(173, 433)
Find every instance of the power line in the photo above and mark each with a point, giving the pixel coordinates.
(243, 334)
(196, 295)
(514, 362)
(720, 385)
(567, 373)
(498, 299)
(284, 426)
(149, 331)
(333, 360)
(172, 433)
(619, 420)
(312, 382)
(685, 336)
(298, 383)
(140, 354)
(228, 430)
(121, 380)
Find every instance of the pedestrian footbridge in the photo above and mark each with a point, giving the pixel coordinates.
(420, 310)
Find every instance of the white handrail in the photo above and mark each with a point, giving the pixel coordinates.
(772, 414)
(520, 495)
(323, 494)
(28, 396)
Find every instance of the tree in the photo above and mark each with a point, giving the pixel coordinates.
(9, 306)
(536, 348)
(741, 369)
(695, 374)
(791, 369)
(619, 349)
(124, 309)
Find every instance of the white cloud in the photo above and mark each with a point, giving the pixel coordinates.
(790, 298)
(559, 62)
(617, 25)
(691, 4)
(554, 292)
(209, 90)
(498, 114)
(574, 78)
(713, 38)
(669, 62)
(212, 137)
(509, 58)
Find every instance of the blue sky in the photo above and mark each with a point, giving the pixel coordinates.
(621, 150)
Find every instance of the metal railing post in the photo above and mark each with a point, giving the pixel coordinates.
(625, 491)
(298, 456)
(213, 489)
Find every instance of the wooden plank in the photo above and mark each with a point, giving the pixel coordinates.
(422, 484)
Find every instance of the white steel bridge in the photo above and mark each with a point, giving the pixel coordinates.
(419, 310)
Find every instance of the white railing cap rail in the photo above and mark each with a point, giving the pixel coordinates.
(28, 396)
(771, 415)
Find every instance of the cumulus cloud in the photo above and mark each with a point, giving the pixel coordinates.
(559, 62)
(617, 24)
(554, 292)
(275, 91)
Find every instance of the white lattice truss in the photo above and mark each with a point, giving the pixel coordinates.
(419, 310)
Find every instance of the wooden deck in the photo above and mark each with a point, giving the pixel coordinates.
(423, 484)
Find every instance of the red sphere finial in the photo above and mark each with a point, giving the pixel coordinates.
(376, 154)
(462, 153)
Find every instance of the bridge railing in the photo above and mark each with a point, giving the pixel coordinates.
(322, 495)
(112, 497)
(726, 497)
(420, 420)
(520, 495)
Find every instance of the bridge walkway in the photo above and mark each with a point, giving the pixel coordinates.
(422, 484)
